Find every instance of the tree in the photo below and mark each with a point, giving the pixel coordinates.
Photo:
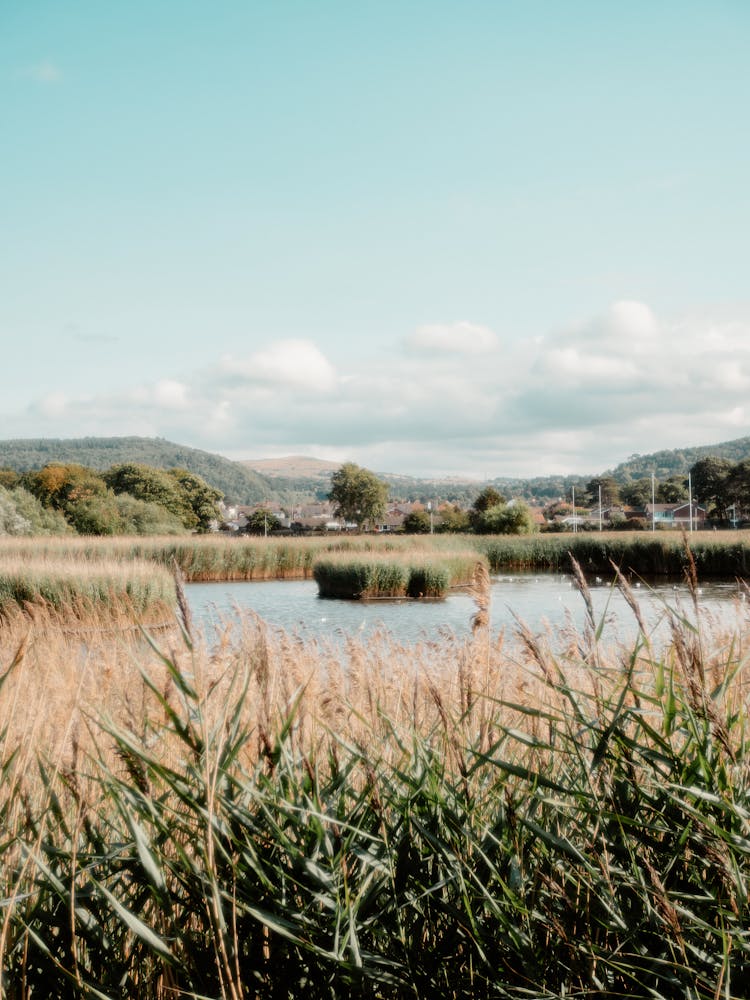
(638, 493)
(202, 499)
(42, 520)
(11, 522)
(96, 515)
(357, 494)
(453, 520)
(417, 522)
(261, 522)
(139, 517)
(610, 491)
(154, 486)
(711, 484)
(60, 484)
(489, 497)
(512, 518)
(738, 485)
(9, 478)
(672, 490)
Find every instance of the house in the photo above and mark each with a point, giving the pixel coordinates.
(676, 515)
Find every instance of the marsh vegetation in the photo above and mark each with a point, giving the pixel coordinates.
(256, 816)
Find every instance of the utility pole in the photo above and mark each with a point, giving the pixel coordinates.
(575, 517)
(653, 503)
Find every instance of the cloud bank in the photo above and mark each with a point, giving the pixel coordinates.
(454, 401)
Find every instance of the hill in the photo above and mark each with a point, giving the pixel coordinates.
(238, 483)
(292, 467)
(678, 461)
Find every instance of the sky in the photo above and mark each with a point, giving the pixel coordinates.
(435, 238)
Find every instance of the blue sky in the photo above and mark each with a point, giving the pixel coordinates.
(502, 238)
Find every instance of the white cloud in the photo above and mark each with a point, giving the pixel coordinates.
(579, 401)
(54, 404)
(170, 394)
(296, 363)
(581, 365)
(454, 338)
(633, 320)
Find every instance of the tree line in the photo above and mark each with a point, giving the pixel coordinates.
(718, 484)
(127, 499)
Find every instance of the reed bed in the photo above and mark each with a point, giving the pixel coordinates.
(76, 590)
(248, 815)
(209, 557)
(647, 554)
(376, 575)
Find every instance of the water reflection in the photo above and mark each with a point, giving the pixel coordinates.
(543, 601)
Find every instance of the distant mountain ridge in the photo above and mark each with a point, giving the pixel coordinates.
(237, 483)
(254, 481)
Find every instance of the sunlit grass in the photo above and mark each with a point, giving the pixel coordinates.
(244, 814)
(74, 589)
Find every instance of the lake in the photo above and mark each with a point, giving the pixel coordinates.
(541, 600)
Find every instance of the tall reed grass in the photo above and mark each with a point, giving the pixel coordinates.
(79, 589)
(253, 816)
(205, 558)
(391, 574)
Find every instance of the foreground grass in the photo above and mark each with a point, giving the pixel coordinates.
(254, 817)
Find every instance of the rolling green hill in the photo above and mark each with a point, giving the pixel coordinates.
(237, 483)
(679, 461)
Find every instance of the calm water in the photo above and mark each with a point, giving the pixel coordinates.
(543, 601)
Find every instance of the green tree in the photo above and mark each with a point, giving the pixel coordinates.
(42, 520)
(139, 517)
(453, 520)
(738, 486)
(711, 484)
(261, 522)
(637, 493)
(672, 490)
(95, 515)
(417, 522)
(154, 486)
(358, 495)
(200, 497)
(506, 519)
(11, 521)
(610, 491)
(489, 497)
